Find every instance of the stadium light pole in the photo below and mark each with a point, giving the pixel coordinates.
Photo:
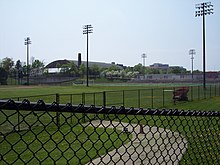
(144, 56)
(203, 9)
(27, 42)
(86, 30)
(192, 52)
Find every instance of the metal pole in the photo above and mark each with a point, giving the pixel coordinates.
(204, 9)
(192, 68)
(27, 41)
(144, 56)
(204, 75)
(27, 62)
(87, 29)
(87, 62)
(192, 52)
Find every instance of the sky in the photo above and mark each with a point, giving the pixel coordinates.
(122, 31)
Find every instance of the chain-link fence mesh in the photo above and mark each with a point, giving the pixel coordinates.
(39, 133)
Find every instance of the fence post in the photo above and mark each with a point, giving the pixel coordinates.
(83, 102)
(18, 117)
(210, 91)
(94, 98)
(139, 99)
(163, 97)
(191, 93)
(219, 90)
(104, 102)
(198, 92)
(58, 113)
(204, 93)
(71, 97)
(215, 90)
(71, 102)
(174, 101)
(152, 98)
(123, 98)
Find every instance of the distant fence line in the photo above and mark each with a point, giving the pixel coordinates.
(145, 98)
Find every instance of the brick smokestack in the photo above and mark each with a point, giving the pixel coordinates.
(79, 59)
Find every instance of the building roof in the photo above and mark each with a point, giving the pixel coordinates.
(59, 63)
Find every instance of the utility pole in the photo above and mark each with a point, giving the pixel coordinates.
(27, 42)
(86, 30)
(144, 56)
(203, 9)
(192, 52)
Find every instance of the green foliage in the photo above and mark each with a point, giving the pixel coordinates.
(3, 76)
(177, 70)
(113, 68)
(95, 70)
(152, 71)
(7, 64)
(37, 64)
(82, 70)
(140, 68)
(69, 68)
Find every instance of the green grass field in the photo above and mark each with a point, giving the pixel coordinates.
(132, 95)
(190, 127)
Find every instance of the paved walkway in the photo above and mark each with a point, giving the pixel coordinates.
(155, 146)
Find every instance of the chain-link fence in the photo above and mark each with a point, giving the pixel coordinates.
(40, 133)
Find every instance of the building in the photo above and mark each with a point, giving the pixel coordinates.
(160, 66)
(55, 66)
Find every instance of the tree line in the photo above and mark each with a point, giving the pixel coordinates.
(8, 67)
(18, 70)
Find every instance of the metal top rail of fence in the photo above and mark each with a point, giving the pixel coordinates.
(55, 107)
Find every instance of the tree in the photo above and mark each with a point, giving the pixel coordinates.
(128, 69)
(113, 67)
(152, 71)
(3, 76)
(37, 64)
(18, 65)
(65, 69)
(177, 70)
(82, 70)
(95, 70)
(197, 71)
(7, 64)
(140, 68)
(73, 68)
(69, 68)
(19, 70)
